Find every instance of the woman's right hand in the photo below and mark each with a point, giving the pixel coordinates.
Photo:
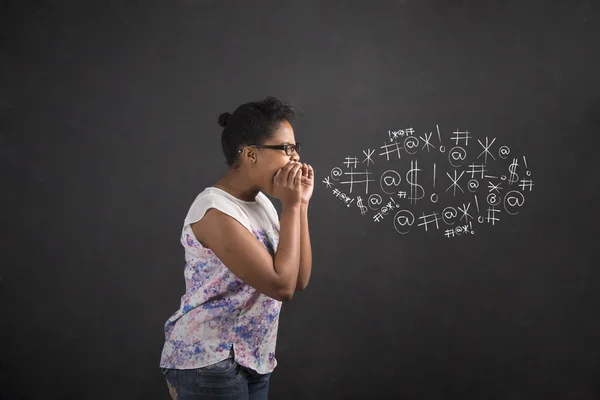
(288, 184)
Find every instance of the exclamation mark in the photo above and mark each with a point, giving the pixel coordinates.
(471, 225)
(442, 147)
(350, 202)
(394, 201)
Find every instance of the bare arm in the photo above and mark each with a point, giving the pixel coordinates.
(246, 257)
(305, 250)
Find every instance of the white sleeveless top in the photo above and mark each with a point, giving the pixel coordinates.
(219, 312)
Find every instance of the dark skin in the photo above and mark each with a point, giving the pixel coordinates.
(285, 178)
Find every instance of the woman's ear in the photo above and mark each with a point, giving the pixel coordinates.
(250, 155)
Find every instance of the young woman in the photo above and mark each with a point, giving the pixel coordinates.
(242, 261)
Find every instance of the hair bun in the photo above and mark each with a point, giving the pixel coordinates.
(223, 118)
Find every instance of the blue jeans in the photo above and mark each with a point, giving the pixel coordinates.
(225, 380)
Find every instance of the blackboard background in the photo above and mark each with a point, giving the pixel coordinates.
(108, 131)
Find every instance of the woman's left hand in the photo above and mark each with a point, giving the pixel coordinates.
(308, 182)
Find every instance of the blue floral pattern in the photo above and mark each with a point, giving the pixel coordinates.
(219, 311)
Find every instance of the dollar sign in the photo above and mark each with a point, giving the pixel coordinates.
(359, 204)
(416, 191)
(513, 175)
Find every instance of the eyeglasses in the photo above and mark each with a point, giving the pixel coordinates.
(288, 148)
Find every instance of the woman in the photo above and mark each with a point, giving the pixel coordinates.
(242, 261)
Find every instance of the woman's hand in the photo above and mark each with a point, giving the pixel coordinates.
(288, 184)
(308, 183)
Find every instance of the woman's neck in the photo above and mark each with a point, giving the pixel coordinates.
(236, 183)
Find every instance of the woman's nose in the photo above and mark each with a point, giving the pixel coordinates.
(295, 157)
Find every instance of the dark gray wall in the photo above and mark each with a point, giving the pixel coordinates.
(108, 118)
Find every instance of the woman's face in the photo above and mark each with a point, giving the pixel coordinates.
(269, 161)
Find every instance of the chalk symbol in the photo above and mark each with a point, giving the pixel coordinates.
(504, 152)
(493, 187)
(493, 200)
(456, 156)
(402, 194)
(503, 177)
(390, 205)
(449, 215)
(512, 170)
(374, 201)
(352, 182)
(351, 161)
(486, 149)
(513, 200)
(336, 173)
(429, 219)
(427, 139)
(491, 215)
(476, 203)
(433, 174)
(458, 136)
(412, 178)
(394, 134)
(403, 220)
(449, 233)
(526, 184)
(389, 149)
(411, 144)
(359, 204)
(472, 185)
(476, 169)
(390, 179)
(465, 212)
(455, 180)
(434, 197)
(327, 182)
(368, 155)
(528, 173)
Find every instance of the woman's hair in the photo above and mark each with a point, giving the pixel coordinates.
(253, 123)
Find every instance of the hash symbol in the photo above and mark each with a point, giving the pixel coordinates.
(377, 217)
(476, 169)
(526, 183)
(449, 233)
(461, 136)
(336, 192)
(366, 179)
(388, 152)
(491, 215)
(402, 194)
(351, 160)
(430, 219)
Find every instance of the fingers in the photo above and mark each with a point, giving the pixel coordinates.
(307, 173)
(277, 175)
(295, 174)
